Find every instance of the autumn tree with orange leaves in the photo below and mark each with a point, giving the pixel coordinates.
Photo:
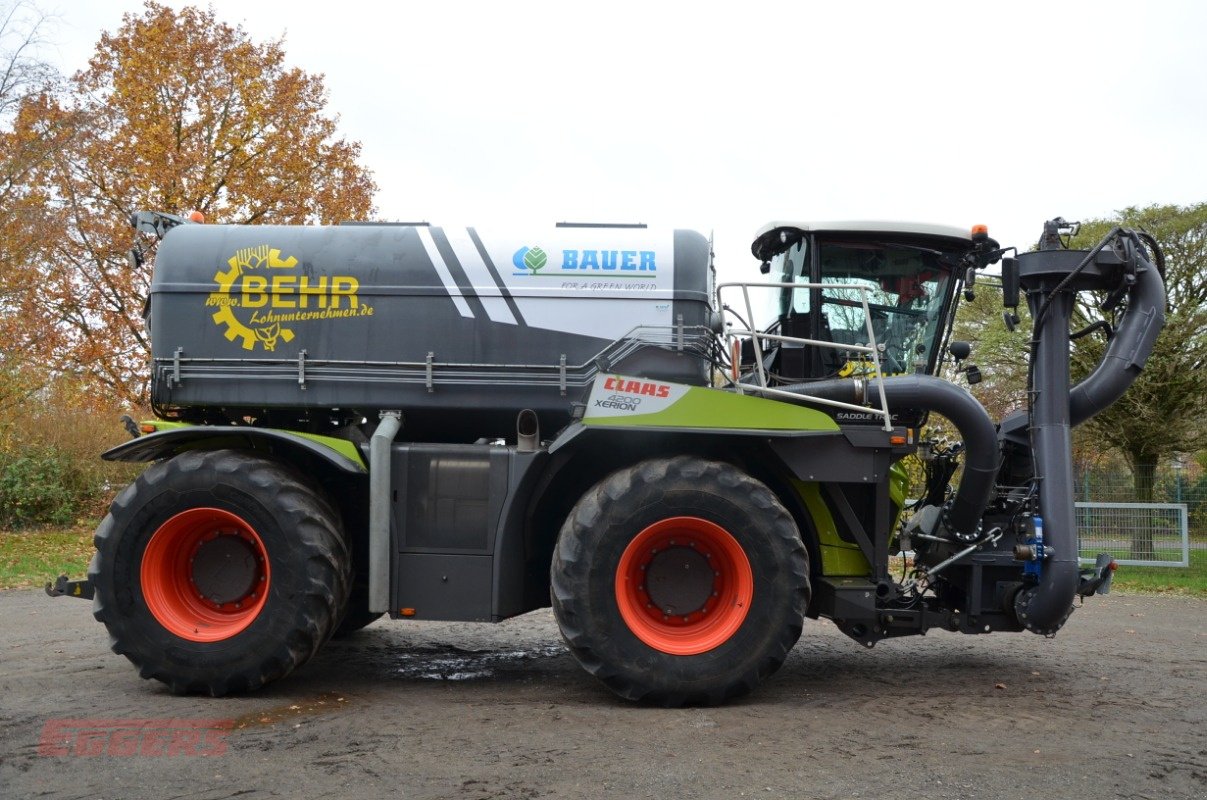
(176, 112)
(23, 232)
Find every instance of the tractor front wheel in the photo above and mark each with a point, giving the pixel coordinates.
(680, 581)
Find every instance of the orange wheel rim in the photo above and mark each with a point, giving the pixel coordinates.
(684, 586)
(205, 574)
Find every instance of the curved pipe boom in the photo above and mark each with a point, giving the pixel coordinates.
(944, 397)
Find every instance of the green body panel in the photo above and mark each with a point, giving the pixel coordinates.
(712, 409)
(898, 488)
(160, 425)
(838, 558)
(344, 447)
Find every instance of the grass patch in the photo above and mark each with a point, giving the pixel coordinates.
(33, 558)
(1190, 580)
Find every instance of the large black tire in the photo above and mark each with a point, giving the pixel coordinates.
(228, 524)
(680, 518)
(357, 615)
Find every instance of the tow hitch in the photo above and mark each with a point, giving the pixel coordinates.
(66, 588)
(1098, 579)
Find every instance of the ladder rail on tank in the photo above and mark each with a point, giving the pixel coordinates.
(734, 335)
(693, 340)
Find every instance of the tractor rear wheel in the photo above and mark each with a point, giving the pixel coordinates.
(680, 581)
(218, 572)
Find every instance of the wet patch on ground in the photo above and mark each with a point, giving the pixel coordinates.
(449, 663)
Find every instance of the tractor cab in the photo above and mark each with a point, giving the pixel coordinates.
(887, 286)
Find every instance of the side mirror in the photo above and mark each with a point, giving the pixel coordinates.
(1010, 282)
(959, 350)
(1010, 288)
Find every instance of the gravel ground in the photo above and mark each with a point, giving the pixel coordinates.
(1116, 706)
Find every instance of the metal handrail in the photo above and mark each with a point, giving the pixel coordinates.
(757, 338)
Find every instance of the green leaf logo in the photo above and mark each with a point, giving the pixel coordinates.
(535, 258)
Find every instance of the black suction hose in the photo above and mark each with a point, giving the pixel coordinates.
(1128, 350)
(969, 417)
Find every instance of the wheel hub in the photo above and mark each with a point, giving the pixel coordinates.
(224, 568)
(679, 581)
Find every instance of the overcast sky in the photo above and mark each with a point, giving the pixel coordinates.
(724, 116)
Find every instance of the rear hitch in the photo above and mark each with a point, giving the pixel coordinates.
(1098, 580)
(62, 587)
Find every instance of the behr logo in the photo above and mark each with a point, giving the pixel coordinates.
(261, 290)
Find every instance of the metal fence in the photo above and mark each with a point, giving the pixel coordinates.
(1178, 481)
(1136, 534)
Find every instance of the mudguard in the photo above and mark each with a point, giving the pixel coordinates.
(340, 453)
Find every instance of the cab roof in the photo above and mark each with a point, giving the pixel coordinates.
(764, 241)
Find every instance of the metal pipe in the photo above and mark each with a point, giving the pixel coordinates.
(379, 510)
(1043, 608)
(527, 432)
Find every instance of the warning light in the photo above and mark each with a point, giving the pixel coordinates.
(897, 441)
(406, 612)
(980, 232)
(196, 216)
(147, 427)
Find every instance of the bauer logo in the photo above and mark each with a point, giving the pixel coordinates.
(260, 298)
(529, 258)
(619, 263)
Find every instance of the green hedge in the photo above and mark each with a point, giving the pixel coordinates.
(43, 485)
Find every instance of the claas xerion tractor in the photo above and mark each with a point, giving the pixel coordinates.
(462, 424)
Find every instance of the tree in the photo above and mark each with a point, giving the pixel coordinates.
(176, 112)
(999, 353)
(1164, 411)
(23, 213)
(22, 71)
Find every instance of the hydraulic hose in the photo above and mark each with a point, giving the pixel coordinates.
(969, 417)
